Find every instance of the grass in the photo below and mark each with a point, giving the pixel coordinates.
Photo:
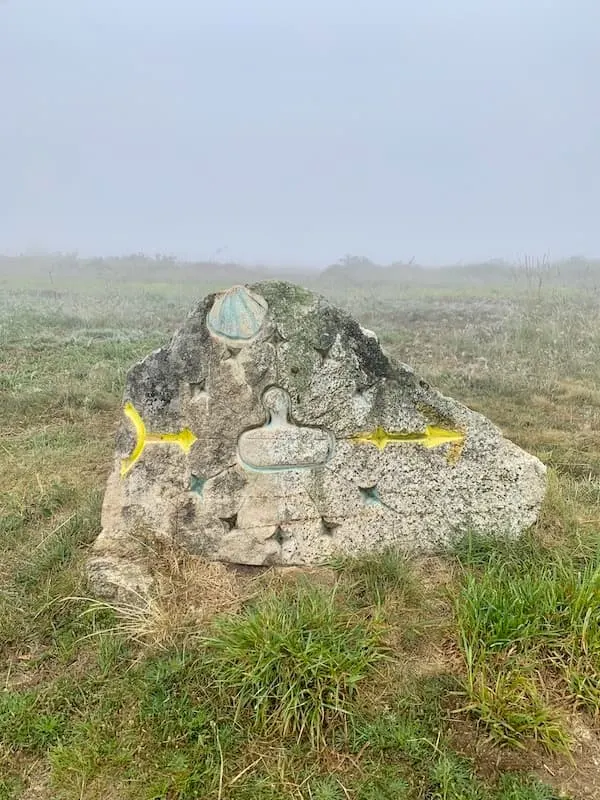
(511, 706)
(293, 664)
(376, 577)
(469, 675)
(527, 617)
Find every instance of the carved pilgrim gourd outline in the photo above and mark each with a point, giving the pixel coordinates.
(281, 444)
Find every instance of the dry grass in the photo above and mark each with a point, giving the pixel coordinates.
(188, 593)
(118, 701)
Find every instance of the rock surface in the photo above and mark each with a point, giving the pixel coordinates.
(273, 430)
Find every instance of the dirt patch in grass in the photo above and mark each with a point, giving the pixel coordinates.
(577, 776)
(37, 783)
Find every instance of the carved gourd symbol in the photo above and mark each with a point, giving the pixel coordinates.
(280, 444)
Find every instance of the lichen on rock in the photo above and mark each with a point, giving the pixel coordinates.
(278, 432)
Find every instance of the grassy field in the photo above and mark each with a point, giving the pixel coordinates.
(471, 675)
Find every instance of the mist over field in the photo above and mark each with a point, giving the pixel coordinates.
(291, 134)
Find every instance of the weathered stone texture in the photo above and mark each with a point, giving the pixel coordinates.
(291, 437)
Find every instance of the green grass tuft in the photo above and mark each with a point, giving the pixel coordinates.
(517, 787)
(513, 709)
(385, 784)
(292, 663)
(375, 577)
(452, 778)
(25, 724)
(523, 619)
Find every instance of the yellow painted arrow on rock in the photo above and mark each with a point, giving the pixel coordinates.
(185, 438)
(432, 436)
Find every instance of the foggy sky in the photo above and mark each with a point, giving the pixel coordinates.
(296, 132)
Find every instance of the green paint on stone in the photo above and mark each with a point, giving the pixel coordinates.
(197, 484)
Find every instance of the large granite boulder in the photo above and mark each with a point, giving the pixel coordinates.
(274, 430)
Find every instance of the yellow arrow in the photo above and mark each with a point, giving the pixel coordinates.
(432, 436)
(185, 438)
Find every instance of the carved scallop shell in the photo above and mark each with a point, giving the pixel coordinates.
(237, 314)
